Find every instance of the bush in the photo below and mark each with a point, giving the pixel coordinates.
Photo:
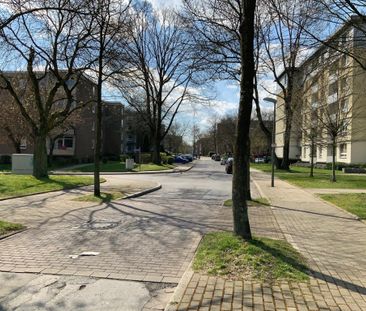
(167, 159)
(338, 166)
(5, 159)
(170, 160)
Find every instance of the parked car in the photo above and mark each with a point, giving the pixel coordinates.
(180, 159)
(259, 160)
(217, 157)
(229, 166)
(189, 157)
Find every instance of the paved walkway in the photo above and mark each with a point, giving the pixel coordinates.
(333, 242)
(151, 238)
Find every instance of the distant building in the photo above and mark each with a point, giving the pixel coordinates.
(79, 140)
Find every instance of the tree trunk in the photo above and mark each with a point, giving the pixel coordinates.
(312, 160)
(40, 167)
(285, 165)
(156, 158)
(52, 147)
(98, 144)
(242, 143)
(334, 150)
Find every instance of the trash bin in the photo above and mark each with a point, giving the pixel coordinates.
(130, 164)
(22, 163)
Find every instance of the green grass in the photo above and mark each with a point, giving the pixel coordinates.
(104, 197)
(152, 167)
(354, 203)
(16, 185)
(7, 227)
(299, 176)
(258, 201)
(116, 166)
(223, 254)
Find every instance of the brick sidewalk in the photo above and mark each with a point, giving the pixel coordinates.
(333, 242)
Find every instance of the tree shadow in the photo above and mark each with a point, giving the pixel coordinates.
(313, 213)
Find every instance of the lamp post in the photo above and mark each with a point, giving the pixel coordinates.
(273, 145)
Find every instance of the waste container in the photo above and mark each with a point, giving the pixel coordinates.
(22, 163)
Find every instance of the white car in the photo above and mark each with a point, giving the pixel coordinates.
(259, 160)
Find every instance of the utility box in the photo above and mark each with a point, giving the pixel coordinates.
(130, 164)
(22, 164)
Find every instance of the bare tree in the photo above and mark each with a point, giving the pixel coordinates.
(14, 128)
(163, 68)
(224, 31)
(283, 40)
(226, 134)
(50, 46)
(109, 20)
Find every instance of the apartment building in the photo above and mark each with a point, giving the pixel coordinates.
(331, 97)
(280, 125)
(77, 138)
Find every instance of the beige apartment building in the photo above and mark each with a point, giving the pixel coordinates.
(331, 101)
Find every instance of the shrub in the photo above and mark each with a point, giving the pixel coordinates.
(145, 158)
(5, 159)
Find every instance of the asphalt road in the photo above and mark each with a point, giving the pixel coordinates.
(150, 239)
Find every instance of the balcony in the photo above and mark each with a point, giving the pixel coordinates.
(332, 98)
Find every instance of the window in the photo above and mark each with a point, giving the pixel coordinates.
(68, 142)
(65, 142)
(304, 152)
(343, 151)
(344, 105)
(320, 151)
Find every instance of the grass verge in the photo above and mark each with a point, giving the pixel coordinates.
(299, 176)
(104, 197)
(226, 255)
(152, 167)
(116, 166)
(354, 203)
(17, 185)
(8, 227)
(258, 201)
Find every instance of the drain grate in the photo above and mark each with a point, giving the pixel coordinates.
(101, 225)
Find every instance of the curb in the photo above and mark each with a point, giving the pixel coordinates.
(8, 235)
(170, 171)
(180, 289)
(261, 193)
(143, 192)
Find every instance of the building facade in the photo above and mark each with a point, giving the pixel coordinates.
(76, 139)
(331, 100)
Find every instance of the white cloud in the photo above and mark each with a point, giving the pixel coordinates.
(162, 4)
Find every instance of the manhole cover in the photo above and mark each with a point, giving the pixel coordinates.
(101, 225)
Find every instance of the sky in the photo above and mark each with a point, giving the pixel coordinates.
(225, 93)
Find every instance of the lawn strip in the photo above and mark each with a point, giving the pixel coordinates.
(226, 255)
(8, 227)
(299, 176)
(354, 203)
(21, 185)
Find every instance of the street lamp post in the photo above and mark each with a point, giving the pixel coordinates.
(273, 145)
